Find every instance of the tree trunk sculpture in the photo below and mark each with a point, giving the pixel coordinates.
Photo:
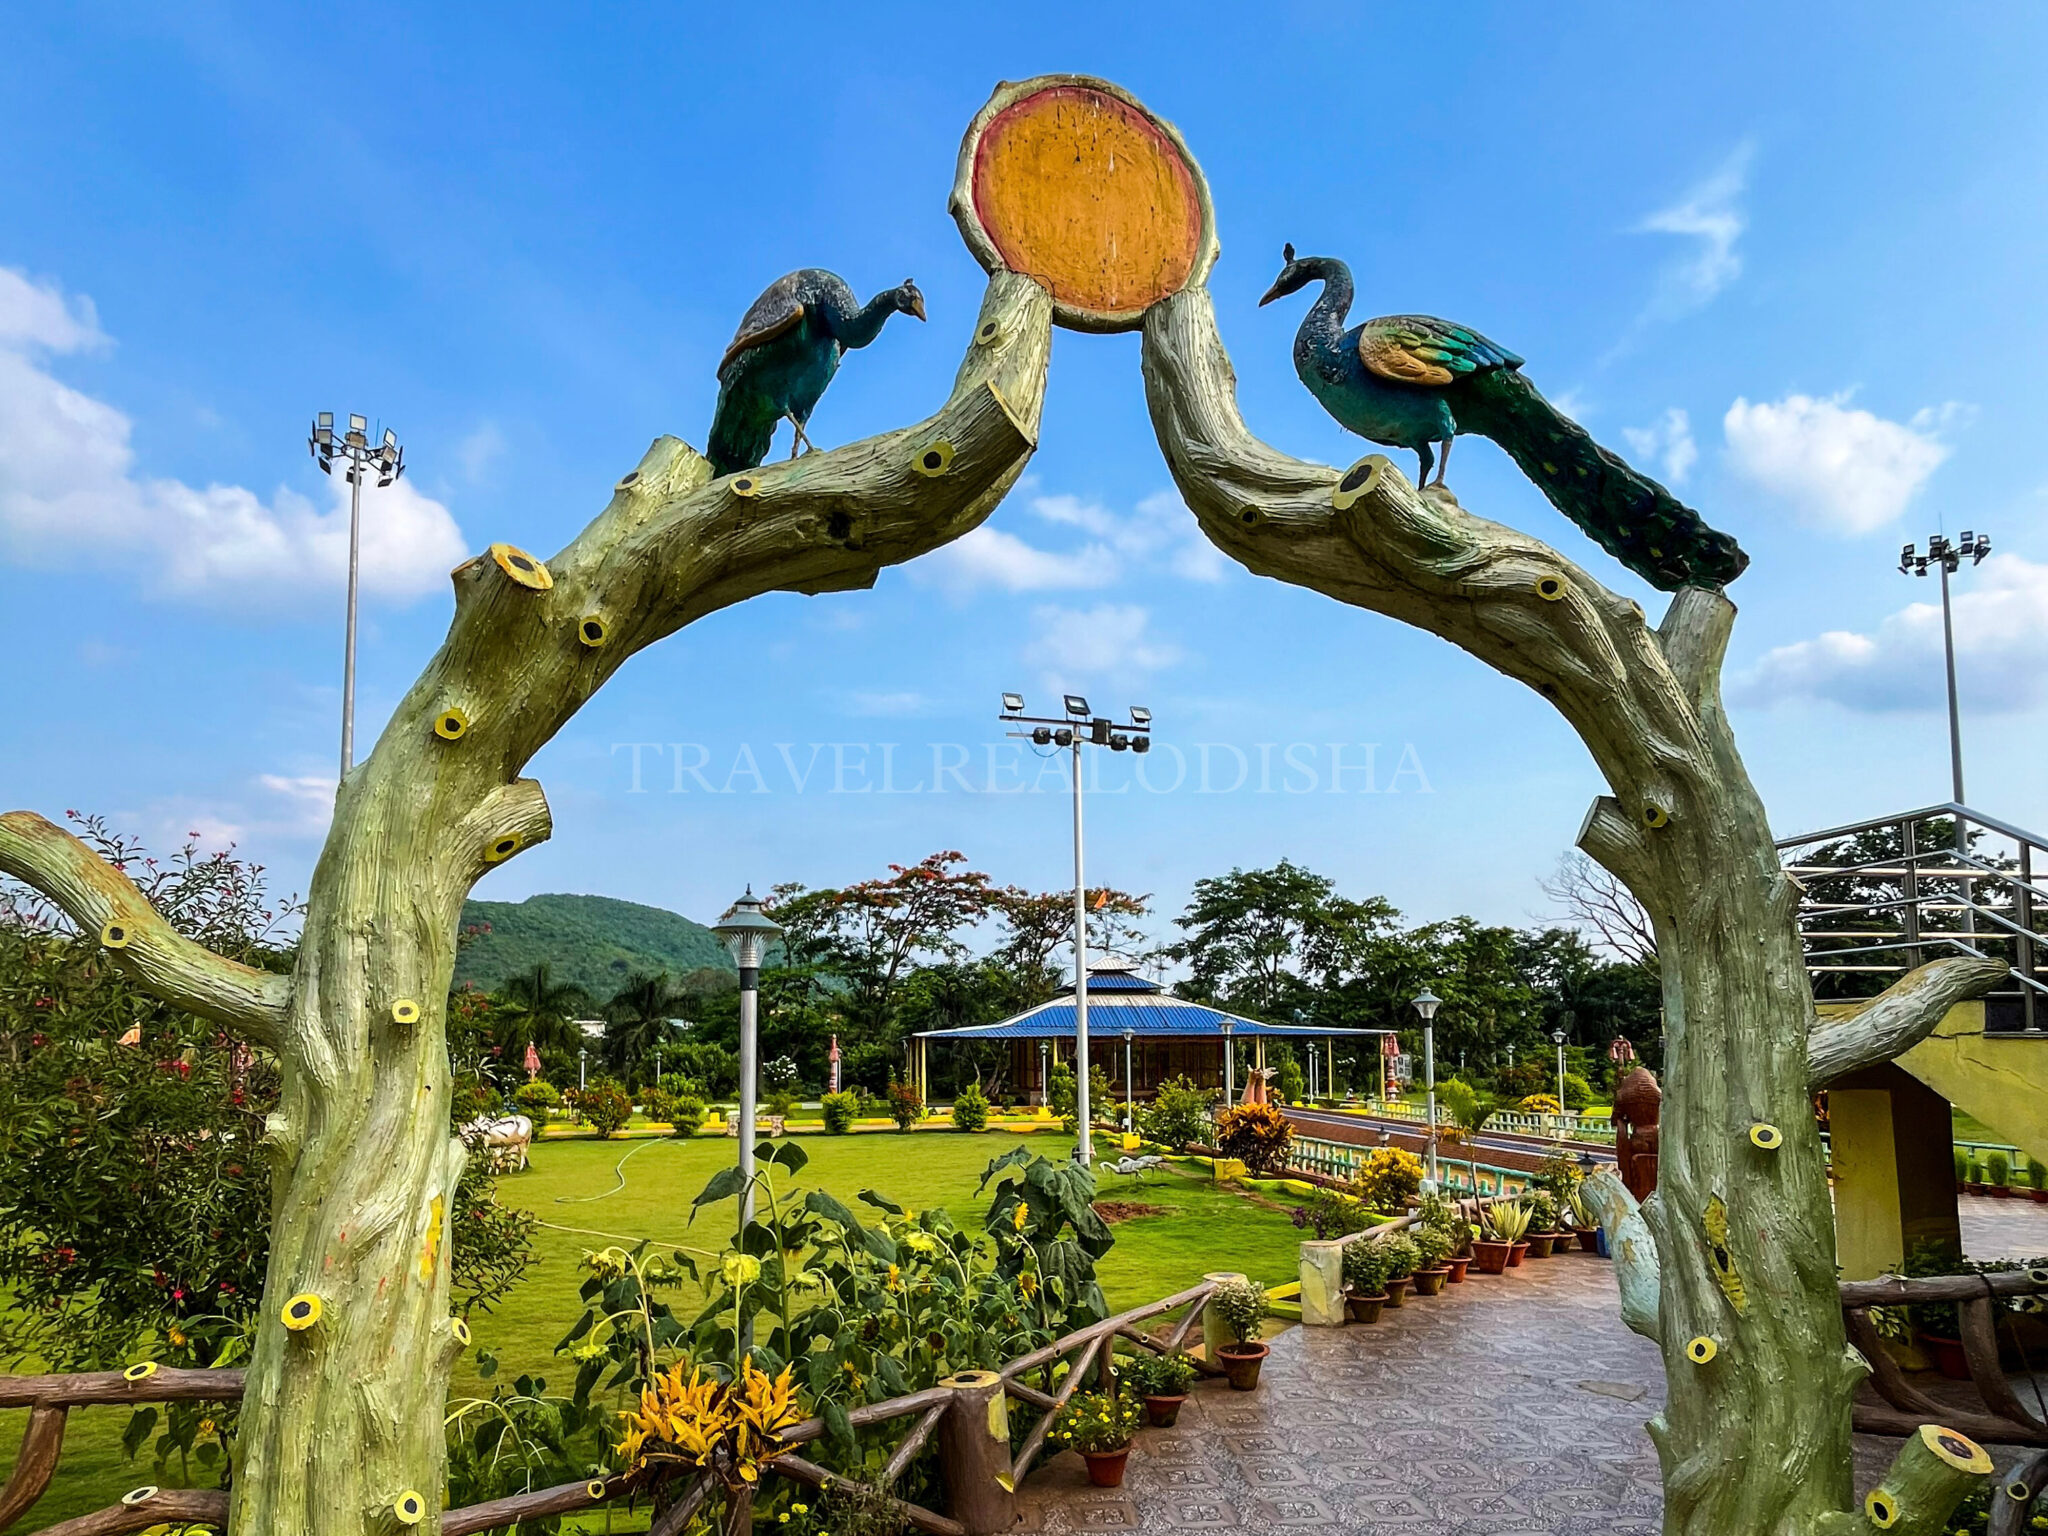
(1732, 1265)
(341, 1429)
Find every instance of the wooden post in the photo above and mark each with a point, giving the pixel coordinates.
(974, 1454)
(1214, 1334)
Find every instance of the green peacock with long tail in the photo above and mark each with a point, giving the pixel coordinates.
(1414, 382)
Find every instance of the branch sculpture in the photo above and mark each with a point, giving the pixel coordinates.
(1730, 1265)
(348, 1381)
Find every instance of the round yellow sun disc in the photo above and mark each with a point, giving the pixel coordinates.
(1069, 180)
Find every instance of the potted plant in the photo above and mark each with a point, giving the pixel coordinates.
(1365, 1280)
(1401, 1257)
(1998, 1175)
(2037, 1180)
(1162, 1381)
(1504, 1222)
(1241, 1307)
(1973, 1176)
(1962, 1170)
(1432, 1248)
(1586, 1224)
(1541, 1205)
(1445, 1216)
(1098, 1425)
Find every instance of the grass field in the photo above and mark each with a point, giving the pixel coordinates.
(593, 1193)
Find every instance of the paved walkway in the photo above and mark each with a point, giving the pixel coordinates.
(1507, 1404)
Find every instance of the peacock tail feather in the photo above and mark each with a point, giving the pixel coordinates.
(1627, 514)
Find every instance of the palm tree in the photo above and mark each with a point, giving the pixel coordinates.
(637, 1018)
(542, 1008)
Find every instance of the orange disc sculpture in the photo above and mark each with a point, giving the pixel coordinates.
(1070, 181)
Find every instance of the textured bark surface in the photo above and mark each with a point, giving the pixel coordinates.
(1755, 1437)
(342, 1418)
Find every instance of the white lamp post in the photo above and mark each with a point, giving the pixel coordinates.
(746, 930)
(582, 1056)
(1426, 1004)
(1130, 1088)
(1229, 1068)
(1045, 1072)
(1557, 1038)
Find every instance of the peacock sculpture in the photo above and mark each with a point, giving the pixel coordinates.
(785, 353)
(1411, 381)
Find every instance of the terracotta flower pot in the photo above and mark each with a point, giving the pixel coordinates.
(1430, 1282)
(1975, 1187)
(1516, 1254)
(1458, 1268)
(1540, 1244)
(2040, 1196)
(1364, 1309)
(1164, 1410)
(1241, 1364)
(1397, 1291)
(2001, 1192)
(1949, 1358)
(1589, 1239)
(1106, 1468)
(1491, 1257)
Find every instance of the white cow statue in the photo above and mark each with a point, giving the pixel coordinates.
(503, 1138)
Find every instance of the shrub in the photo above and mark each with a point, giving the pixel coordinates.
(1365, 1268)
(1240, 1305)
(1150, 1375)
(1540, 1104)
(604, 1105)
(1096, 1421)
(2037, 1174)
(1468, 1108)
(1388, 1179)
(782, 1102)
(1578, 1093)
(1559, 1175)
(1962, 1166)
(1292, 1081)
(538, 1097)
(1403, 1256)
(658, 1104)
(1178, 1115)
(970, 1109)
(1442, 1215)
(1257, 1135)
(1542, 1207)
(906, 1108)
(1997, 1169)
(685, 1113)
(1334, 1215)
(840, 1110)
(1432, 1246)
(1061, 1096)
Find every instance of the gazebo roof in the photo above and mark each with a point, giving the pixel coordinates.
(1118, 1000)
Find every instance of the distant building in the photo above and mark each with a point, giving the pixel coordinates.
(1170, 1036)
(591, 1028)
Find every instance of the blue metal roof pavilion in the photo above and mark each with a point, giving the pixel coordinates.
(1120, 1000)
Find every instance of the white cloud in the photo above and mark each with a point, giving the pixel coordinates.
(888, 705)
(2001, 621)
(1668, 442)
(1109, 643)
(1160, 534)
(1846, 471)
(308, 798)
(481, 449)
(69, 492)
(1709, 214)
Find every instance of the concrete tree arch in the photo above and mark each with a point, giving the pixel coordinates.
(342, 1413)
(1737, 1245)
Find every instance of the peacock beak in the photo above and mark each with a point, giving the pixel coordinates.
(917, 305)
(1275, 292)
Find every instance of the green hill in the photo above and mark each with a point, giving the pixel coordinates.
(594, 942)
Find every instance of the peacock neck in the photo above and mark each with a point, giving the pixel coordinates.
(860, 329)
(1321, 337)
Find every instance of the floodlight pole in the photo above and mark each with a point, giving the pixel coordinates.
(1074, 730)
(360, 456)
(1948, 558)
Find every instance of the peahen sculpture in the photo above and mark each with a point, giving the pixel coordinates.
(1411, 381)
(785, 353)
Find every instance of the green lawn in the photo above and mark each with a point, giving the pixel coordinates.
(1206, 1229)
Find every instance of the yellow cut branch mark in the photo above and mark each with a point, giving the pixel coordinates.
(1714, 1222)
(431, 1249)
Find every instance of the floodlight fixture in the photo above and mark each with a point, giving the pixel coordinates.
(1140, 715)
(1076, 705)
(1014, 703)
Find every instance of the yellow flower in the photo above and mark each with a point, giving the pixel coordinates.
(177, 1338)
(740, 1269)
(1023, 1215)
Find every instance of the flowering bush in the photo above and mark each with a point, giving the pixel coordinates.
(1540, 1104)
(603, 1104)
(1388, 1179)
(1257, 1135)
(906, 1106)
(1095, 1422)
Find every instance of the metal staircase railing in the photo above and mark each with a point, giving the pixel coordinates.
(1881, 897)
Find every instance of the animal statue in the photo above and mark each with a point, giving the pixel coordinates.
(1637, 1103)
(504, 1139)
(786, 350)
(1411, 381)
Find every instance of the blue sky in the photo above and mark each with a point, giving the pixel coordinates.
(1788, 259)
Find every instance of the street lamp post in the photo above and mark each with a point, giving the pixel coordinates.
(387, 461)
(1948, 558)
(1557, 1038)
(1130, 1087)
(582, 1056)
(746, 930)
(1045, 1072)
(1079, 727)
(1426, 1004)
(1229, 1067)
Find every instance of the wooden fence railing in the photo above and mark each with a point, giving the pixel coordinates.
(968, 1413)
